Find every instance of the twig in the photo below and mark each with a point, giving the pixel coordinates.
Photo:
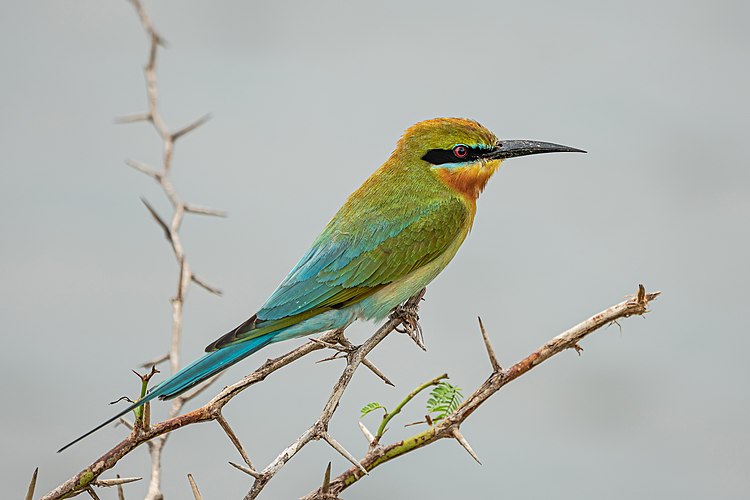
(320, 428)
(389, 416)
(208, 412)
(449, 427)
(170, 229)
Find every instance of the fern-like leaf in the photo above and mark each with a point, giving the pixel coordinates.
(444, 400)
(372, 407)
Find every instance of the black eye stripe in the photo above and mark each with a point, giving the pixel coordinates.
(443, 156)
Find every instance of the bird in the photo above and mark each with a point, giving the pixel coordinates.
(391, 238)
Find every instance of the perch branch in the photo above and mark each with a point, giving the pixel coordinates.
(449, 427)
(212, 410)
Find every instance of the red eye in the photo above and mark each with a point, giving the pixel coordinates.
(460, 151)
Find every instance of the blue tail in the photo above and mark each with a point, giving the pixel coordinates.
(207, 366)
(196, 372)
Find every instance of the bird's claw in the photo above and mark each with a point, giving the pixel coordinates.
(409, 324)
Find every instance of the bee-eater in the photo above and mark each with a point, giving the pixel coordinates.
(390, 239)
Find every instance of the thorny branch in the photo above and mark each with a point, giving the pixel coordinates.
(450, 426)
(170, 228)
(404, 319)
(212, 411)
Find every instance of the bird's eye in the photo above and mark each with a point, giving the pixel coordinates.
(460, 151)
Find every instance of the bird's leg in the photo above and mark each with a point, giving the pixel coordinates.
(408, 314)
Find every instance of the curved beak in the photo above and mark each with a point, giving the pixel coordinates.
(522, 147)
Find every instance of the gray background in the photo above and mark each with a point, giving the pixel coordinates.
(309, 98)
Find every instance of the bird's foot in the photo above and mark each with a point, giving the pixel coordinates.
(409, 317)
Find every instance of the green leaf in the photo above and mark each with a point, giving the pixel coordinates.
(372, 407)
(444, 400)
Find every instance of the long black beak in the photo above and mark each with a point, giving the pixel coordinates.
(522, 147)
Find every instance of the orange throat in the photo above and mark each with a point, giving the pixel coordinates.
(471, 180)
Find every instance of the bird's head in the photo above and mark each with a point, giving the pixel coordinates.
(463, 153)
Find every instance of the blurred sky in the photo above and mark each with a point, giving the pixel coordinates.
(309, 98)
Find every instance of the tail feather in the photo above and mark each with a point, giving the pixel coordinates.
(201, 369)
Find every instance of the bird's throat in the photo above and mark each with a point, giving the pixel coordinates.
(470, 180)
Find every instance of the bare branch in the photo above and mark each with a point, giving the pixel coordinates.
(448, 427)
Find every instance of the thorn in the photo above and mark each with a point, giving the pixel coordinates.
(462, 441)
(368, 435)
(330, 358)
(159, 220)
(326, 480)
(107, 483)
(125, 422)
(194, 487)
(32, 485)
(190, 127)
(329, 345)
(336, 446)
(246, 470)
(210, 289)
(120, 491)
(496, 368)
(155, 361)
(195, 209)
(641, 296)
(143, 168)
(138, 117)
(615, 322)
(374, 369)
(235, 440)
(92, 493)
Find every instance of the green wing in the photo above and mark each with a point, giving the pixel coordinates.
(352, 259)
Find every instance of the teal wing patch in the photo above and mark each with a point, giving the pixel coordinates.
(350, 261)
